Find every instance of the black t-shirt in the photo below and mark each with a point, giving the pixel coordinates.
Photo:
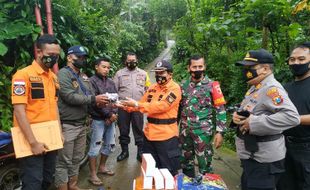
(299, 93)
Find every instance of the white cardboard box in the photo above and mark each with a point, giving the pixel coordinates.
(148, 164)
(158, 180)
(168, 178)
(147, 180)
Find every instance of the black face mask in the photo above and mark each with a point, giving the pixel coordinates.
(131, 65)
(299, 69)
(160, 79)
(79, 63)
(197, 74)
(50, 61)
(249, 74)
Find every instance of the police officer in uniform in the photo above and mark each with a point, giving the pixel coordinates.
(131, 82)
(34, 99)
(161, 103)
(297, 161)
(264, 114)
(75, 95)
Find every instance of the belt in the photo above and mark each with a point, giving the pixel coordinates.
(292, 139)
(161, 121)
(266, 138)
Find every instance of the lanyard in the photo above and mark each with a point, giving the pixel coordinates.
(85, 91)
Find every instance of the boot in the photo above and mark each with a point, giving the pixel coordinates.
(123, 155)
(72, 184)
(189, 172)
(139, 153)
(63, 187)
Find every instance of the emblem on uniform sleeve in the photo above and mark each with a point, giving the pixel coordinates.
(171, 98)
(19, 87)
(275, 96)
(217, 95)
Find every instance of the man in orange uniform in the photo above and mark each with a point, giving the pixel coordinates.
(161, 104)
(34, 98)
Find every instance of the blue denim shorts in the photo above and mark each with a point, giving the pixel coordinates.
(102, 139)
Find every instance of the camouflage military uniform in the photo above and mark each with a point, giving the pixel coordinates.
(198, 116)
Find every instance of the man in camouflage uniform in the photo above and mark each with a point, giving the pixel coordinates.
(202, 103)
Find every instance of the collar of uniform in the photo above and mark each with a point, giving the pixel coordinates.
(127, 70)
(38, 68)
(267, 79)
(203, 81)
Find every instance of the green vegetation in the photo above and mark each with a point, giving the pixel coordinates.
(105, 28)
(222, 31)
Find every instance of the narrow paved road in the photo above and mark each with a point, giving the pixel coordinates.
(225, 161)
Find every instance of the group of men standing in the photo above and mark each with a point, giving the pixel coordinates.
(182, 120)
(273, 123)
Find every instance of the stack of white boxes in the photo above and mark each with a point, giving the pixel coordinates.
(154, 177)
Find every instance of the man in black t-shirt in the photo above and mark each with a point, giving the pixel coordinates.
(297, 161)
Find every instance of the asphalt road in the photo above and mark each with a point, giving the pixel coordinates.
(225, 161)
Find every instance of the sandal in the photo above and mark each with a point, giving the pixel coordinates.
(106, 172)
(96, 182)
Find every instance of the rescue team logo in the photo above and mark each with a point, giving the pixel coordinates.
(171, 98)
(274, 94)
(159, 64)
(19, 87)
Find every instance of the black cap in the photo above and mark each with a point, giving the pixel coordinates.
(163, 65)
(254, 57)
(77, 50)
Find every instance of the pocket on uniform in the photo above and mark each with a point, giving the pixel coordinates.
(174, 153)
(277, 167)
(37, 93)
(140, 81)
(125, 80)
(174, 157)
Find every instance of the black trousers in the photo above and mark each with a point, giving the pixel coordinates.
(297, 166)
(260, 176)
(124, 121)
(166, 153)
(37, 171)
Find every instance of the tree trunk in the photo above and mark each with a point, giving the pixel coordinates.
(265, 37)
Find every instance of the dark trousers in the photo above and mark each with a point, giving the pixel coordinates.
(260, 176)
(166, 153)
(124, 121)
(37, 171)
(297, 166)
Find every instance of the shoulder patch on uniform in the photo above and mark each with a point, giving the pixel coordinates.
(171, 98)
(19, 87)
(275, 96)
